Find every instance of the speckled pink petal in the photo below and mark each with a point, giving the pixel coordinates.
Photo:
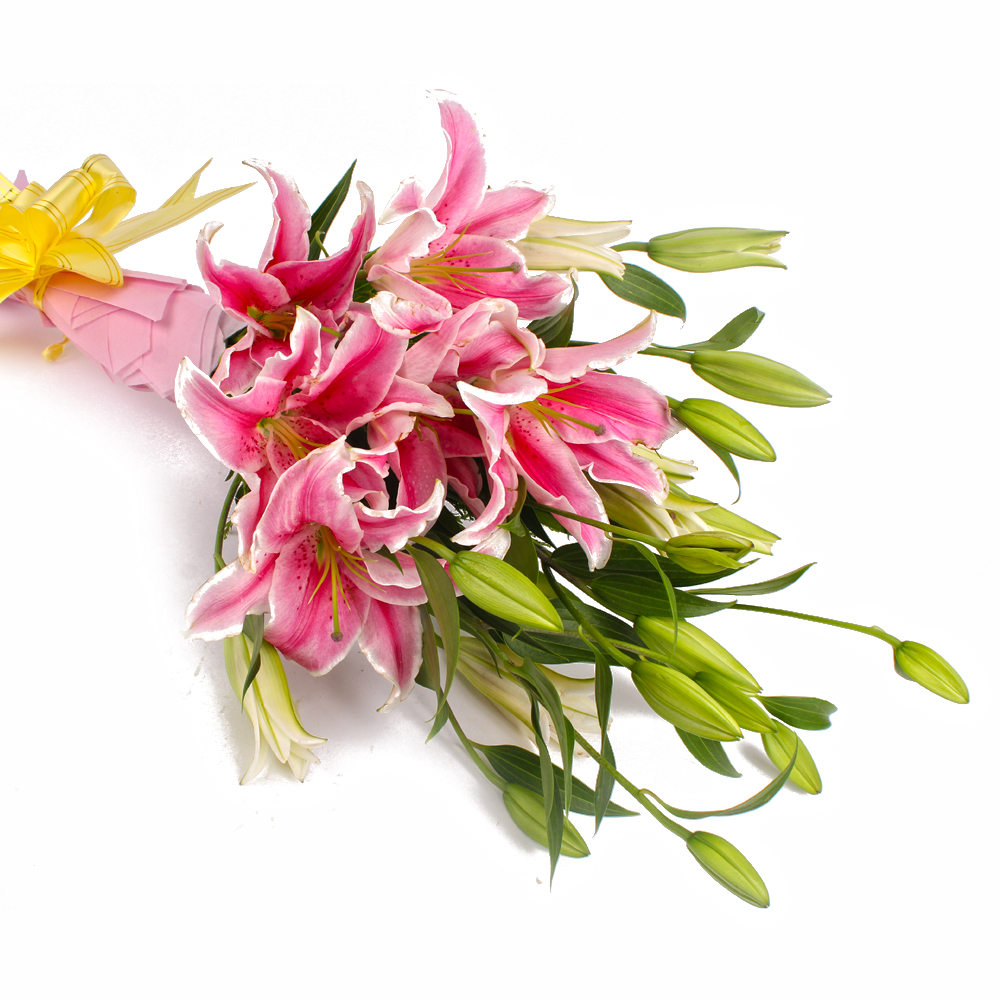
(460, 188)
(563, 363)
(391, 641)
(627, 408)
(228, 425)
(236, 287)
(554, 477)
(614, 462)
(302, 624)
(311, 492)
(218, 608)
(328, 283)
(289, 236)
(505, 213)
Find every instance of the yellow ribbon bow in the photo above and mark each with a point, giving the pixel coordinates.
(79, 224)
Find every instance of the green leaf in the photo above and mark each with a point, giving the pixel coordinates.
(709, 753)
(802, 713)
(253, 629)
(771, 586)
(444, 606)
(363, 291)
(728, 461)
(555, 331)
(550, 790)
(737, 331)
(625, 559)
(524, 768)
(324, 215)
(647, 290)
(764, 796)
(603, 682)
(522, 555)
(632, 596)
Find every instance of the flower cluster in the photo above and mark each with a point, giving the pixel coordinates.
(425, 463)
(351, 422)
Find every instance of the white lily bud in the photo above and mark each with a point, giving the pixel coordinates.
(554, 244)
(268, 705)
(577, 696)
(676, 470)
(677, 515)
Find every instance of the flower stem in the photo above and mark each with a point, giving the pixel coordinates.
(499, 782)
(220, 532)
(867, 629)
(658, 543)
(636, 793)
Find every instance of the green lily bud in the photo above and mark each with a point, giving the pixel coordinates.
(736, 702)
(500, 589)
(527, 810)
(695, 651)
(917, 662)
(676, 698)
(725, 520)
(780, 745)
(729, 867)
(716, 249)
(706, 551)
(760, 380)
(721, 425)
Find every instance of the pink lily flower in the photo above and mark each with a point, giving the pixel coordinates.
(318, 575)
(456, 238)
(265, 298)
(552, 420)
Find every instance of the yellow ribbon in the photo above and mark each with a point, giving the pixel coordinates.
(80, 222)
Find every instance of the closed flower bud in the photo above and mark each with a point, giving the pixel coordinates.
(725, 520)
(675, 470)
(268, 706)
(728, 867)
(554, 244)
(500, 589)
(694, 652)
(760, 380)
(737, 703)
(917, 662)
(527, 810)
(780, 745)
(716, 249)
(706, 551)
(721, 425)
(676, 515)
(497, 683)
(676, 698)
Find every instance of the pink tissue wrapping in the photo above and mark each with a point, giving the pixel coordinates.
(139, 332)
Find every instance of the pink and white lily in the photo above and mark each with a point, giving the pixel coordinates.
(265, 297)
(551, 419)
(318, 573)
(456, 238)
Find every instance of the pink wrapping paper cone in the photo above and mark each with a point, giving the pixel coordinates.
(138, 333)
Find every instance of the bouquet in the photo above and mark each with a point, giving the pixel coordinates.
(426, 464)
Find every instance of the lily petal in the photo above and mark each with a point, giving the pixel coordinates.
(391, 641)
(564, 363)
(289, 236)
(219, 606)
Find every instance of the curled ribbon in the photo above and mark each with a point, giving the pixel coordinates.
(80, 223)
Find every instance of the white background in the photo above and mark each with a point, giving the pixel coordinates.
(134, 865)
